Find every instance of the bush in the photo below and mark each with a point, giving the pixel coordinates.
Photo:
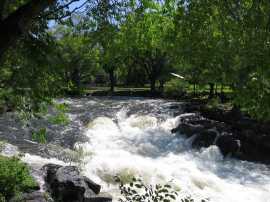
(15, 178)
(175, 87)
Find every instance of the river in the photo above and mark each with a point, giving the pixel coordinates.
(131, 137)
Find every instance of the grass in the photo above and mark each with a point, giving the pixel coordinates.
(59, 119)
(189, 89)
(40, 136)
(117, 89)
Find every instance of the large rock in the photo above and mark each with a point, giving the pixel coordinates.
(204, 139)
(67, 185)
(187, 129)
(228, 144)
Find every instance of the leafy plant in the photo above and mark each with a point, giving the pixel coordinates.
(40, 136)
(15, 178)
(137, 191)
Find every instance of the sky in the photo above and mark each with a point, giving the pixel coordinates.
(74, 5)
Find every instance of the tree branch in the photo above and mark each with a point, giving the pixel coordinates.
(17, 23)
(52, 12)
(67, 14)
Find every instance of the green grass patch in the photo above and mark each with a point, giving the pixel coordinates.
(15, 178)
(63, 107)
(40, 136)
(59, 119)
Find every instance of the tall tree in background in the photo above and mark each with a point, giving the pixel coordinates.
(147, 33)
(107, 16)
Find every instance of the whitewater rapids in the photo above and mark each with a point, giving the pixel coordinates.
(131, 137)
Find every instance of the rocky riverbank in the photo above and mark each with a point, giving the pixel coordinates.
(235, 134)
(64, 184)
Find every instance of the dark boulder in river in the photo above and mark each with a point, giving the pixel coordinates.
(187, 129)
(205, 138)
(228, 144)
(242, 138)
(67, 185)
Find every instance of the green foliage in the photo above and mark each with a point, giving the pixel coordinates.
(175, 87)
(63, 107)
(59, 119)
(40, 136)
(14, 178)
(138, 42)
(136, 190)
(214, 102)
(2, 198)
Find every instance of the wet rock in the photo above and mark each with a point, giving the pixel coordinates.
(101, 197)
(92, 185)
(67, 185)
(50, 171)
(265, 140)
(174, 107)
(187, 129)
(204, 139)
(36, 196)
(228, 144)
(8, 150)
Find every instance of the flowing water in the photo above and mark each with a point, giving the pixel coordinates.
(131, 137)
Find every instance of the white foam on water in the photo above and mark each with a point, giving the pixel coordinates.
(143, 145)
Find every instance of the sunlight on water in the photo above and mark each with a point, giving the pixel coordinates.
(144, 145)
(132, 138)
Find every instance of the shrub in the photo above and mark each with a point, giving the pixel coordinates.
(40, 136)
(15, 178)
(175, 87)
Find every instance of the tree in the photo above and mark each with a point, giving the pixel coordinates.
(147, 32)
(18, 16)
(18, 22)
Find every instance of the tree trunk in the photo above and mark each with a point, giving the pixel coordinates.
(153, 85)
(221, 89)
(161, 85)
(194, 89)
(112, 80)
(76, 78)
(18, 23)
(211, 91)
